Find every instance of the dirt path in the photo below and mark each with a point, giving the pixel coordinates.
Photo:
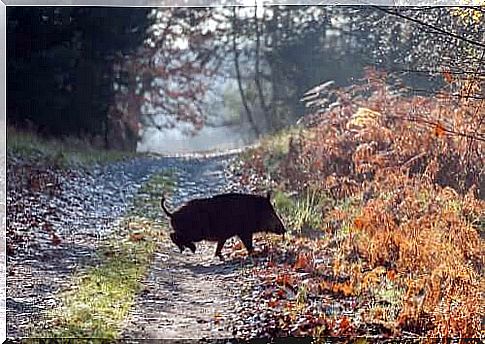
(189, 296)
(39, 270)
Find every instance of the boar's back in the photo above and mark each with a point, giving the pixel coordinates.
(220, 217)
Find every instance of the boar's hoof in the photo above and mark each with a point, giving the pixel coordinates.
(191, 246)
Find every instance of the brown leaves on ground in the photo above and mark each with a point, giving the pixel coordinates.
(30, 186)
(448, 76)
(304, 262)
(291, 284)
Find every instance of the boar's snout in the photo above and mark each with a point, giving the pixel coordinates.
(271, 220)
(279, 227)
(275, 225)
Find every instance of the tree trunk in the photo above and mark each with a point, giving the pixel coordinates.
(238, 74)
(257, 75)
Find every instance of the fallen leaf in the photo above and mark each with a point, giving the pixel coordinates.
(347, 289)
(359, 223)
(137, 237)
(325, 286)
(47, 227)
(439, 130)
(273, 303)
(378, 313)
(448, 76)
(55, 239)
(344, 325)
(302, 262)
(284, 279)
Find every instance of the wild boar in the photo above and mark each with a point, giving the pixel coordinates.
(221, 217)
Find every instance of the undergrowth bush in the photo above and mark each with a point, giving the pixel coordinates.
(385, 131)
(407, 177)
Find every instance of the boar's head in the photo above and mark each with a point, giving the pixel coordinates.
(269, 220)
(176, 241)
(181, 244)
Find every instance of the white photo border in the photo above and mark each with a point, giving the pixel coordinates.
(133, 3)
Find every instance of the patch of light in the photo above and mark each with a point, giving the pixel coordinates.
(181, 43)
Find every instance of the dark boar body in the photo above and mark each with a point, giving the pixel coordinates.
(221, 217)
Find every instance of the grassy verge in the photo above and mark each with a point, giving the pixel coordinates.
(277, 147)
(304, 211)
(100, 297)
(68, 152)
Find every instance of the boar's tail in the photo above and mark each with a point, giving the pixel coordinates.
(162, 203)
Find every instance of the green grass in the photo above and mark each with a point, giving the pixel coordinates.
(101, 296)
(104, 295)
(303, 212)
(278, 142)
(64, 153)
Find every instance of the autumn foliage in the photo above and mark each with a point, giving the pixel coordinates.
(406, 178)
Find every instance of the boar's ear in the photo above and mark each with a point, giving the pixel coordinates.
(268, 195)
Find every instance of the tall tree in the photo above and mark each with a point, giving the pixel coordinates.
(60, 65)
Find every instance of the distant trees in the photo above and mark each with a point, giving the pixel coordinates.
(418, 42)
(104, 72)
(302, 46)
(101, 73)
(177, 63)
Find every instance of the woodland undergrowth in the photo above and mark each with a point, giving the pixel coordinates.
(402, 179)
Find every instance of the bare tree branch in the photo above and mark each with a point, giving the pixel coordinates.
(434, 28)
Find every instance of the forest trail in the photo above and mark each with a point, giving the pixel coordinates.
(183, 294)
(186, 296)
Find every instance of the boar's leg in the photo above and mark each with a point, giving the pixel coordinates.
(220, 245)
(247, 240)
